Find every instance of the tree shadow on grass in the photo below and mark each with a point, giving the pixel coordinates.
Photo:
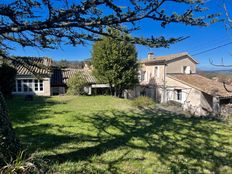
(184, 145)
(22, 111)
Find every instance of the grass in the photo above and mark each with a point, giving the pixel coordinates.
(103, 134)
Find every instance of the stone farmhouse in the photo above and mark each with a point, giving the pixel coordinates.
(40, 77)
(163, 78)
(174, 78)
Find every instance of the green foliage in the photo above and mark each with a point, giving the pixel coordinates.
(25, 165)
(115, 61)
(143, 101)
(7, 79)
(76, 84)
(173, 103)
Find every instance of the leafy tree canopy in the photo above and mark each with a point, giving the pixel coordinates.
(116, 61)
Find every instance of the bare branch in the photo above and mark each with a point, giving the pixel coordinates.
(224, 84)
(44, 24)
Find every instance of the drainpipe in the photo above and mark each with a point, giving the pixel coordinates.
(164, 89)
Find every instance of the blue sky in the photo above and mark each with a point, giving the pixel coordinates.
(201, 38)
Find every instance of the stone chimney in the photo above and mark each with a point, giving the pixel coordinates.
(87, 66)
(150, 56)
(47, 61)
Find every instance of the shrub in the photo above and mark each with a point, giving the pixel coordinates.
(26, 165)
(143, 101)
(173, 103)
(7, 79)
(76, 84)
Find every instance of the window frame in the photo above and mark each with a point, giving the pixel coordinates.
(156, 71)
(28, 85)
(178, 94)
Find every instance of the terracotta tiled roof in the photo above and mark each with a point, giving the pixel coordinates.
(203, 84)
(31, 65)
(165, 59)
(61, 76)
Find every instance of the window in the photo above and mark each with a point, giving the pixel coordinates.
(178, 94)
(142, 75)
(36, 85)
(25, 86)
(186, 70)
(28, 85)
(41, 85)
(156, 71)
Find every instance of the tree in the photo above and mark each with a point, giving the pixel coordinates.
(47, 23)
(7, 79)
(116, 61)
(44, 24)
(68, 64)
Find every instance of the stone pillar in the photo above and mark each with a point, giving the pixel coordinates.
(216, 105)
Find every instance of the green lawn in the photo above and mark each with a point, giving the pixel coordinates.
(106, 135)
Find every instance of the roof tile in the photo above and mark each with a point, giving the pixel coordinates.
(203, 84)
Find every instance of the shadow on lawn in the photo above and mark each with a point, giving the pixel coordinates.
(22, 111)
(186, 145)
(183, 145)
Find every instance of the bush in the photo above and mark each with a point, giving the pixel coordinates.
(173, 103)
(7, 79)
(76, 84)
(26, 165)
(143, 101)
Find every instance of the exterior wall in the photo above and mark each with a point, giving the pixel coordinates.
(132, 93)
(57, 90)
(176, 66)
(193, 100)
(171, 86)
(166, 88)
(150, 76)
(140, 91)
(206, 103)
(46, 86)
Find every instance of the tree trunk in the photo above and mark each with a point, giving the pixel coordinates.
(9, 144)
(111, 89)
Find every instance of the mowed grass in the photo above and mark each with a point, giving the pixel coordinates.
(104, 134)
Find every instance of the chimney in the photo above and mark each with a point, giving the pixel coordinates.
(47, 61)
(150, 56)
(86, 66)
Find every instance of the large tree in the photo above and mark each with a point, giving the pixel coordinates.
(47, 23)
(115, 61)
